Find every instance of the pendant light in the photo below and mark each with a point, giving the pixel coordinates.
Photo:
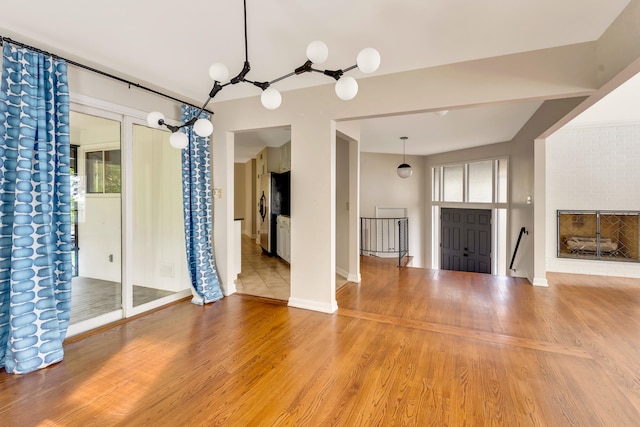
(404, 170)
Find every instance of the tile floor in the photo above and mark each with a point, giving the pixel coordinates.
(266, 276)
(262, 275)
(93, 297)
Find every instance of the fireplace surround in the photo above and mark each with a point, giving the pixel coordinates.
(599, 235)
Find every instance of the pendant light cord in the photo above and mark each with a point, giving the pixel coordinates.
(404, 145)
(246, 44)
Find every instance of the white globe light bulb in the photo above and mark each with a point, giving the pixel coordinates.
(203, 127)
(271, 98)
(178, 140)
(368, 60)
(404, 171)
(346, 88)
(219, 72)
(153, 118)
(317, 52)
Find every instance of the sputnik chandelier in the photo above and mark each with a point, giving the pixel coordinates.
(367, 61)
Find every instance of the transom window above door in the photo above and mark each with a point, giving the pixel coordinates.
(482, 181)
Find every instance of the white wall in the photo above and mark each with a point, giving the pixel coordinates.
(380, 186)
(250, 209)
(342, 207)
(99, 230)
(591, 168)
(240, 190)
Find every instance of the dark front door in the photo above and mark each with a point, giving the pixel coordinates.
(465, 240)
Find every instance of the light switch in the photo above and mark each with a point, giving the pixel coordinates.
(217, 193)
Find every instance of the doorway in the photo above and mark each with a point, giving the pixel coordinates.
(465, 240)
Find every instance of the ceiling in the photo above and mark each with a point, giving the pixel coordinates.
(169, 46)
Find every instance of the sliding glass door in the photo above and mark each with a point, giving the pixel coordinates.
(128, 233)
(158, 262)
(96, 213)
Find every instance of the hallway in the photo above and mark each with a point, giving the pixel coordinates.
(265, 276)
(261, 275)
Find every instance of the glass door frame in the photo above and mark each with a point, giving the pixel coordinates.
(130, 309)
(127, 117)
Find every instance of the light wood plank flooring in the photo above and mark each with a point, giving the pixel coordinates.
(406, 347)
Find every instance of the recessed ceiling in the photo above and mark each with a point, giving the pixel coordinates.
(431, 133)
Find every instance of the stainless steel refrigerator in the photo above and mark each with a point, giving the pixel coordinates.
(274, 200)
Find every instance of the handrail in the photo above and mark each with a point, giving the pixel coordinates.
(384, 236)
(515, 251)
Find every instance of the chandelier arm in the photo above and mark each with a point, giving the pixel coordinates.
(201, 110)
(350, 68)
(286, 76)
(336, 74)
(173, 129)
(241, 76)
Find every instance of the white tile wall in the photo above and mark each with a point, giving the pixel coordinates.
(591, 168)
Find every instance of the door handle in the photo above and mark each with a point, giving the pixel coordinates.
(465, 255)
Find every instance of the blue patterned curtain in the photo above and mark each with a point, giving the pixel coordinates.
(35, 232)
(198, 215)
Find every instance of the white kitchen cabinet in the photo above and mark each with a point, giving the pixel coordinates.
(283, 238)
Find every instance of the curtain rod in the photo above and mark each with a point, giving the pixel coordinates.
(102, 73)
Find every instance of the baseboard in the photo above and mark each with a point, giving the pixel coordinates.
(341, 272)
(355, 278)
(539, 281)
(230, 289)
(313, 305)
(249, 235)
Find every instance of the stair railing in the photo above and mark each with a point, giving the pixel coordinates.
(515, 251)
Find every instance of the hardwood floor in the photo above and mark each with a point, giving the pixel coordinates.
(406, 347)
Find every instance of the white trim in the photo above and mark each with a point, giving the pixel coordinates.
(79, 101)
(342, 272)
(355, 278)
(94, 322)
(142, 308)
(581, 125)
(538, 281)
(107, 106)
(313, 305)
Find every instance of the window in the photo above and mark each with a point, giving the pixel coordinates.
(453, 183)
(474, 182)
(103, 171)
(480, 181)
